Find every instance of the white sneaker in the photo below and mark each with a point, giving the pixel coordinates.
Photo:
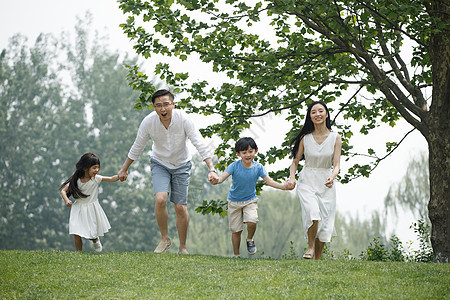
(163, 246)
(98, 245)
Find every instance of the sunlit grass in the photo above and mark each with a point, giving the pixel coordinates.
(126, 275)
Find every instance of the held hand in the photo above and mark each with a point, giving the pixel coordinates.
(122, 175)
(213, 178)
(69, 203)
(290, 184)
(329, 182)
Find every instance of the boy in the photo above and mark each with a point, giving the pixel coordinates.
(242, 200)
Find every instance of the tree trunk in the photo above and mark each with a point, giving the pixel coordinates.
(439, 204)
(438, 138)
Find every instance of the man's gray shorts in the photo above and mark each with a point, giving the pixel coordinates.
(176, 179)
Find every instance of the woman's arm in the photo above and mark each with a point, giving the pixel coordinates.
(336, 161)
(295, 161)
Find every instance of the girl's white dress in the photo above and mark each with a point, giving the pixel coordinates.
(87, 218)
(318, 201)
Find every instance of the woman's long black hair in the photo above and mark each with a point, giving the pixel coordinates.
(308, 127)
(85, 162)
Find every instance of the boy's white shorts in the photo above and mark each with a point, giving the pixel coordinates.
(242, 212)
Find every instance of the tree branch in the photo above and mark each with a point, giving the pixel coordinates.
(376, 12)
(378, 160)
(403, 80)
(346, 103)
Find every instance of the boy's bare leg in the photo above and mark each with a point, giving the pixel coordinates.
(236, 240)
(251, 228)
(78, 242)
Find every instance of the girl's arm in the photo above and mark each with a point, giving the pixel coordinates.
(336, 161)
(220, 179)
(64, 196)
(110, 179)
(274, 184)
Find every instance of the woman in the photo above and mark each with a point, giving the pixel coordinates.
(321, 149)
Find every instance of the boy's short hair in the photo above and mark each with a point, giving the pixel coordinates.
(243, 143)
(160, 93)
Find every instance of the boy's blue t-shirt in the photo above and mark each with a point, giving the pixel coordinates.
(243, 184)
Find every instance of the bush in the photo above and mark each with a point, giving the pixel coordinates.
(397, 252)
(375, 251)
(425, 252)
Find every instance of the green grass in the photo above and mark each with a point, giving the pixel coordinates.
(138, 275)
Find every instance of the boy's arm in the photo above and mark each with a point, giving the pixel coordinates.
(110, 179)
(270, 182)
(220, 178)
(64, 196)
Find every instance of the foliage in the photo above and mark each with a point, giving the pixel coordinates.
(375, 251)
(292, 254)
(355, 233)
(300, 52)
(425, 252)
(60, 99)
(328, 253)
(213, 207)
(131, 275)
(397, 251)
(372, 62)
(32, 124)
(412, 192)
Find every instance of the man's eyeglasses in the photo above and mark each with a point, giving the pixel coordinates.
(161, 105)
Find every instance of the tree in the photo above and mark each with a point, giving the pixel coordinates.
(371, 61)
(355, 234)
(413, 190)
(32, 118)
(99, 81)
(59, 99)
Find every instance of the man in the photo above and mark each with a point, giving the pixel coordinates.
(170, 163)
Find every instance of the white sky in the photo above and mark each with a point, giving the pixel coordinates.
(360, 197)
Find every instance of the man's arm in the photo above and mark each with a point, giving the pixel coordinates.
(212, 175)
(123, 173)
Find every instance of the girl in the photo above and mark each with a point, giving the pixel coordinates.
(321, 149)
(87, 218)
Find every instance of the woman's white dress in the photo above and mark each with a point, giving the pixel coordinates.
(318, 201)
(87, 218)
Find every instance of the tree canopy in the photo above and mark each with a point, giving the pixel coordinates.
(370, 61)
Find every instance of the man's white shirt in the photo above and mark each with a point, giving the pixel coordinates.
(170, 146)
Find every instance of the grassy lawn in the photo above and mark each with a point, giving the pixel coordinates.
(131, 275)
